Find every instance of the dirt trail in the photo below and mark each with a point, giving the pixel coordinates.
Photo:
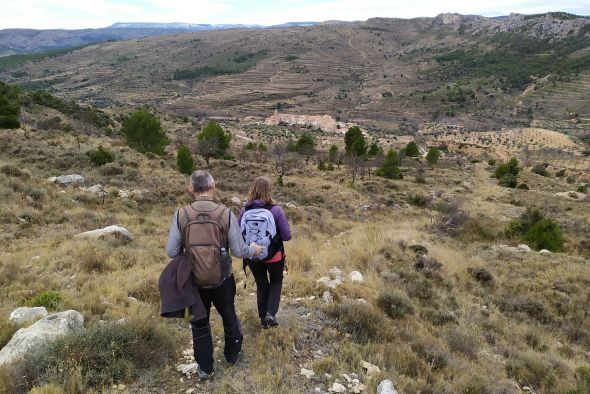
(355, 48)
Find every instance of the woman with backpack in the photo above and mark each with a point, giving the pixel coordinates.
(265, 224)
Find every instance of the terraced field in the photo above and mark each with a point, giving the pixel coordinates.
(385, 74)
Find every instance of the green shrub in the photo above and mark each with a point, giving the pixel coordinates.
(508, 180)
(560, 173)
(523, 186)
(462, 342)
(582, 380)
(101, 355)
(492, 162)
(583, 189)
(100, 156)
(184, 160)
(390, 167)
(411, 149)
(433, 155)
(395, 304)
(143, 132)
(49, 299)
(537, 230)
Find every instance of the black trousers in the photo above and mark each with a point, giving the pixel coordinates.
(269, 282)
(222, 298)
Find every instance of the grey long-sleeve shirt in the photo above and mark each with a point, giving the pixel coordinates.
(237, 246)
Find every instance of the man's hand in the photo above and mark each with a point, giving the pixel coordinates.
(258, 248)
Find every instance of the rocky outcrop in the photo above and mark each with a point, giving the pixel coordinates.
(29, 339)
(67, 180)
(325, 122)
(117, 231)
(27, 314)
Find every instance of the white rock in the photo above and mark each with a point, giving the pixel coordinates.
(29, 339)
(523, 247)
(190, 391)
(327, 297)
(236, 200)
(544, 251)
(371, 369)
(356, 277)
(52, 179)
(360, 388)
(25, 314)
(109, 230)
(291, 205)
(337, 388)
(325, 281)
(308, 373)
(96, 189)
(187, 368)
(386, 387)
(69, 180)
(336, 273)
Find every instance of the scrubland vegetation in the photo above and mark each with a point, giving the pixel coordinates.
(444, 307)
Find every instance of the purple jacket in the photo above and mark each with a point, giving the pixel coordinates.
(178, 291)
(277, 212)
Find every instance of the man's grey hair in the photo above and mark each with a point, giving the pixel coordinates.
(202, 181)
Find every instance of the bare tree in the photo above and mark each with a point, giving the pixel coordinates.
(460, 160)
(283, 159)
(25, 119)
(354, 163)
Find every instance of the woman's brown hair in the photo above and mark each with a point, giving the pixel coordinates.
(260, 189)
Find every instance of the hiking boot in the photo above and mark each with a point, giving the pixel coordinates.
(271, 320)
(204, 375)
(235, 359)
(264, 323)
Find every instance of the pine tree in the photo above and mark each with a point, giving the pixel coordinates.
(184, 160)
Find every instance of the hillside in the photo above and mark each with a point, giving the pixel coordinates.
(393, 74)
(447, 302)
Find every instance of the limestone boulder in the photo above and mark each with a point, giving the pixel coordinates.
(29, 339)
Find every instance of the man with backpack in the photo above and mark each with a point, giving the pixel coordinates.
(206, 232)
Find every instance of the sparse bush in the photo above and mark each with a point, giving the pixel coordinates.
(14, 171)
(100, 156)
(395, 304)
(436, 359)
(92, 259)
(462, 342)
(540, 169)
(492, 162)
(326, 365)
(49, 299)
(7, 330)
(419, 200)
(184, 160)
(110, 169)
(101, 355)
(147, 290)
(523, 186)
(533, 370)
(560, 174)
(53, 123)
(482, 275)
(363, 322)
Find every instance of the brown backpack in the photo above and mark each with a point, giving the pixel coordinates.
(204, 226)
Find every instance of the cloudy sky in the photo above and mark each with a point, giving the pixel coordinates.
(72, 14)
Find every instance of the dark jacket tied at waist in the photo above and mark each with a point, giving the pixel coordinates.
(178, 291)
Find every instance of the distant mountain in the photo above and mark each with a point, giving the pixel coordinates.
(22, 41)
